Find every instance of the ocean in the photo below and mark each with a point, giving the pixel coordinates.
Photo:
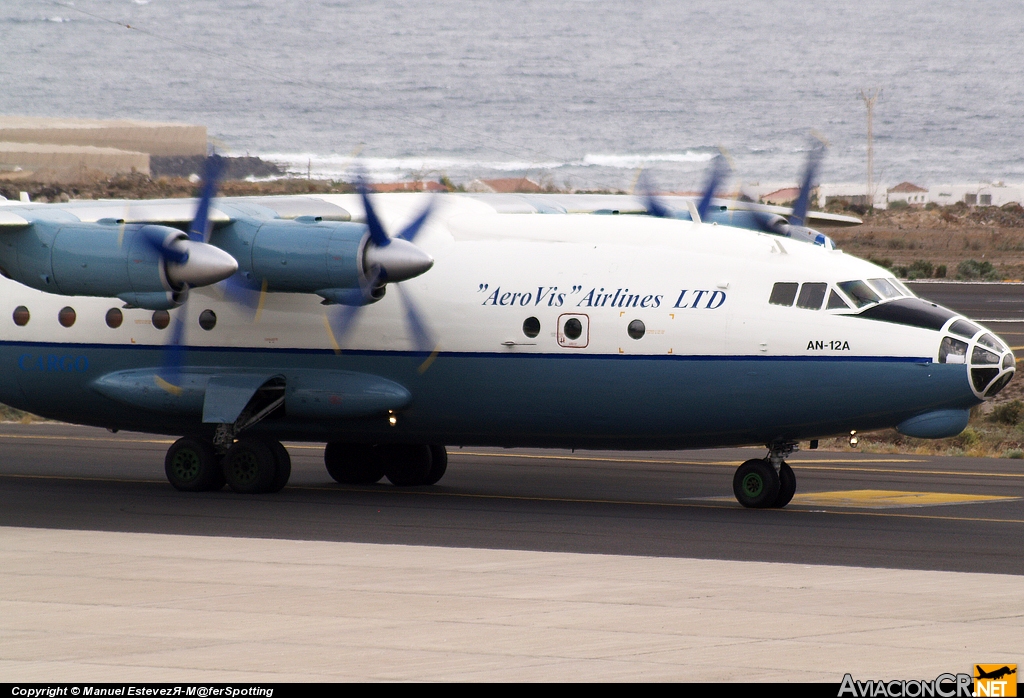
(573, 93)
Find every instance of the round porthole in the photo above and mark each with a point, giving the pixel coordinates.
(207, 320)
(531, 327)
(21, 316)
(573, 328)
(114, 318)
(161, 319)
(636, 329)
(66, 316)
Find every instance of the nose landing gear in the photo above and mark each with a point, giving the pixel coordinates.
(768, 482)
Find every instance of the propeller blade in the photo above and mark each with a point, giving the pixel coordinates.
(199, 230)
(652, 203)
(414, 321)
(169, 377)
(412, 230)
(807, 183)
(377, 235)
(719, 171)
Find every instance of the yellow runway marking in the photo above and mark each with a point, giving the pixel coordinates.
(889, 499)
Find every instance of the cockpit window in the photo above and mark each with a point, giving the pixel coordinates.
(836, 302)
(884, 288)
(964, 329)
(859, 292)
(906, 291)
(783, 294)
(812, 295)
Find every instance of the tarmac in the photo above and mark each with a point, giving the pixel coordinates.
(90, 606)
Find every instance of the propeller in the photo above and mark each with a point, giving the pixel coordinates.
(654, 206)
(178, 255)
(386, 260)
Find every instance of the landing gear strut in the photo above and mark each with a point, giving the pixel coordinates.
(404, 465)
(766, 482)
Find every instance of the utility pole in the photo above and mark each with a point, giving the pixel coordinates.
(870, 97)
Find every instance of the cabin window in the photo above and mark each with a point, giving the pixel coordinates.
(783, 293)
(811, 296)
(531, 327)
(573, 328)
(161, 319)
(964, 329)
(66, 316)
(114, 318)
(859, 292)
(636, 329)
(836, 302)
(21, 316)
(207, 320)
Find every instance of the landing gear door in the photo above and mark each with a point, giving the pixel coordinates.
(573, 330)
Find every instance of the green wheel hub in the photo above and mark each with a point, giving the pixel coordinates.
(186, 464)
(246, 467)
(753, 485)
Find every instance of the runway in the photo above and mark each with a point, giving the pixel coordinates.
(666, 504)
(519, 565)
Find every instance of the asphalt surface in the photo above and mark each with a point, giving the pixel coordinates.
(665, 504)
(1000, 307)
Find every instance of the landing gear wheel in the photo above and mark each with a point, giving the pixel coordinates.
(756, 484)
(192, 466)
(438, 464)
(787, 486)
(250, 466)
(353, 464)
(406, 465)
(283, 466)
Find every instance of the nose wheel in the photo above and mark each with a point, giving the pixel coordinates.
(766, 483)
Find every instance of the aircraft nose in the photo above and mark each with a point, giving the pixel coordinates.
(990, 362)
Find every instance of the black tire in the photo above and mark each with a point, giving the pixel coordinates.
(756, 484)
(787, 486)
(250, 466)
(406, 465)
(438, 464)
(353, 464)
(282, 466)
(191, 465)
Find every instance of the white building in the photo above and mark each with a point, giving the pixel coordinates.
(981, 194)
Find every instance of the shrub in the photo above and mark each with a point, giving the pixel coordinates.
(881, 261)
(1013, 453)
(940, 271)
(967, 439)
(920, 269)
(1008, 412)
(973, 270)
(898, 204)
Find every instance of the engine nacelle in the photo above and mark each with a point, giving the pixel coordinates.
(108, 259)
(336, 260)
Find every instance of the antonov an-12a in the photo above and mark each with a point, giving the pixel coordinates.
(516, 321)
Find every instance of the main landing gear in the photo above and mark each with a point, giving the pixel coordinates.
(404, 465)
(767, 482)
(251, 465)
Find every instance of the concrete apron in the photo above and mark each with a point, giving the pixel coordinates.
(97, 606)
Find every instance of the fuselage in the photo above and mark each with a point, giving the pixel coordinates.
(563, 330)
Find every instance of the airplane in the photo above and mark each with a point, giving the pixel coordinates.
(486, 320)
